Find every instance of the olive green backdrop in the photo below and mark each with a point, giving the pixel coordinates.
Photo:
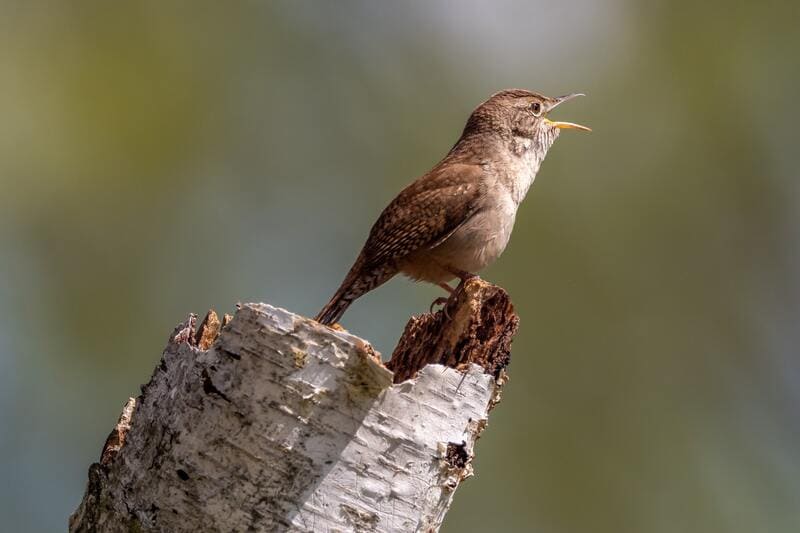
(159, 158)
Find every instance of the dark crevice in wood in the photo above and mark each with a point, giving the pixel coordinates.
(210, 388)
(457, 455)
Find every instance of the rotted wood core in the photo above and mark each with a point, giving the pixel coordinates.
(476, 325)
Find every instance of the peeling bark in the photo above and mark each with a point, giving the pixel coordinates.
(268, 421)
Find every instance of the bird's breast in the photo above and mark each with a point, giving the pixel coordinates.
(480, 240)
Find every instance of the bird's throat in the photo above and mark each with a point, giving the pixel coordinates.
(526, 156)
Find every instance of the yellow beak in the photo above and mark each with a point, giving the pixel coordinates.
(565, 125)
(568, 125)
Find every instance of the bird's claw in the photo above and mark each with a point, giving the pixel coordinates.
(443, 301)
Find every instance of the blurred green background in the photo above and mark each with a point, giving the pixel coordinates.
(161, 158)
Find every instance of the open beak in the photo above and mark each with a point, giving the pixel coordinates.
(565, 125)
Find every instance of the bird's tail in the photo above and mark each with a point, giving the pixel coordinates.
(357, 282)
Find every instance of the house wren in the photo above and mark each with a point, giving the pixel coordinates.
(457, 218)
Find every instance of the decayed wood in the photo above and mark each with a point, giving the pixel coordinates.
(476, 326)
(271, 422)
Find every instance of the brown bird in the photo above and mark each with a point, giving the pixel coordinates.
(457, 218)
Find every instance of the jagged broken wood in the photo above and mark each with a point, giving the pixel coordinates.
(271, 422)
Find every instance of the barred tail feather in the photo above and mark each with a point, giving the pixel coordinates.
(334, 309)
(354, 285)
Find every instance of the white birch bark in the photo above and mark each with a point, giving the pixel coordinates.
(286, 425)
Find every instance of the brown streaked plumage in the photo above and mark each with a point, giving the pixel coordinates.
(457, 218)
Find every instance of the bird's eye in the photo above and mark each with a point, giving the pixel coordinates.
(536, 109)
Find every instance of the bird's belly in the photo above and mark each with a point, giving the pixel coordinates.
(472, 247)
(478, 242)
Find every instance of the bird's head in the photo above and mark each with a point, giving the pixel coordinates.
(520, 113)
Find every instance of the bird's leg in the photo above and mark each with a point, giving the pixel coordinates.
(463, 275)
(443, 300)
(446, 287)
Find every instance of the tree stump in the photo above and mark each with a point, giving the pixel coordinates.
(270, 421)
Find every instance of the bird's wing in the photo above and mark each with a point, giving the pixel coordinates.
(425, 213)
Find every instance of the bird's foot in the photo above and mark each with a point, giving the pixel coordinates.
(443, 301)
(463, 278)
